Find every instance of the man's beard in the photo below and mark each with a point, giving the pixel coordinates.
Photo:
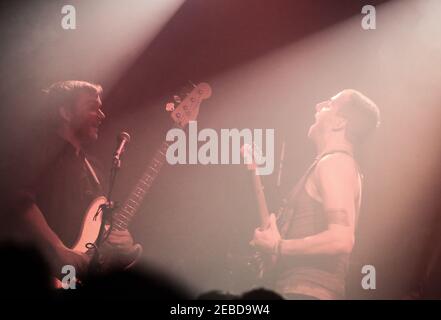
(87, 135)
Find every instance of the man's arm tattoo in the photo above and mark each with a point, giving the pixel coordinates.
(338, 216)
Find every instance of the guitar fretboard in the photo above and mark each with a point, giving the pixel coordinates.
(123, 215)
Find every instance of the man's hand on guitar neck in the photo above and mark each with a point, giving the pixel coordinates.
(267, 240)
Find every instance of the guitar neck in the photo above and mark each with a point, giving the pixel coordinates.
(261, 201)
(186, 111)
(124, 214)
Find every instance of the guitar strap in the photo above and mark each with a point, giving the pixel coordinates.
(91, 173)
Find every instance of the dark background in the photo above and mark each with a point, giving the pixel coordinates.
(197, 221)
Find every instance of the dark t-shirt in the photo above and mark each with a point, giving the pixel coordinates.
(59, 182)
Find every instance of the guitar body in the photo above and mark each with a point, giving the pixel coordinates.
(91, 225)
(88, 235)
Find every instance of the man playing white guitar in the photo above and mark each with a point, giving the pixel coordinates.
(57, 207)
(316, 235)
(62, 180)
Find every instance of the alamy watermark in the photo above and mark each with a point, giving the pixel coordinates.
(69, 20)
(69, 280)
(230, 141)
(368, 22)
(369, 281)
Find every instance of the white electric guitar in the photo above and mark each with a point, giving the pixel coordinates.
(187, 110)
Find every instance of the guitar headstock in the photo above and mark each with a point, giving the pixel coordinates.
(250, 153)
(188, 107)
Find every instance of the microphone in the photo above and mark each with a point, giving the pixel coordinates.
(122, 139)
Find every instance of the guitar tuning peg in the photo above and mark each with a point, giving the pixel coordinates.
(177, 98)
(170, 107)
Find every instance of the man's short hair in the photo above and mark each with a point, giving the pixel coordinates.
(362, 114)
(65, 93)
